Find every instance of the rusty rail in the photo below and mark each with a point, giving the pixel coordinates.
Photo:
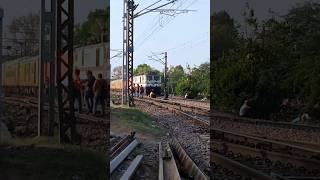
(188, 165)
(168, 169)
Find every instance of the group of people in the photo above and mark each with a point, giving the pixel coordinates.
(138, 90)
(93, 90)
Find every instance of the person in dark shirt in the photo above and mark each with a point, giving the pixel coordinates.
(99, 89)
(134, 90)
(89, 91)
(77, 89)
(47, 85)
(141, 91)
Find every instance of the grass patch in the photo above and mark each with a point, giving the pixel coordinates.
(45, 158)
(138, 120)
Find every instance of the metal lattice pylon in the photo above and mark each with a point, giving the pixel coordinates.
(65, 24)
(130, 20)
(124, 53)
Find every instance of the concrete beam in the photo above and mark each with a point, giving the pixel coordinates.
(118, 160)
(132, 168)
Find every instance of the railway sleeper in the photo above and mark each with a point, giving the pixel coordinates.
(265, 144)
(269, 158)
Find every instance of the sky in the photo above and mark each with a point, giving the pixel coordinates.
(185, 37)
(236, 7)
(17, 8)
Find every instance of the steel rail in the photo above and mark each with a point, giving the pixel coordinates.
(234, 118)
(195, 120)
(187, 163)
(266, 148)
(32, 102)
(168, 168)
(238, 168)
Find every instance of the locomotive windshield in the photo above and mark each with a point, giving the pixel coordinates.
(149, 78)
(156, 78)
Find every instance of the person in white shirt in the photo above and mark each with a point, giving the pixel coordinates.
(244, 109)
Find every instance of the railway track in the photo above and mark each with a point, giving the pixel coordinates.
(229, 117)
(192, 137)
(241, 156)
(197, 115)
(33, 103)
(174, 162)
(91, 130)
(202, 110)
(220, 117)
(194, 102)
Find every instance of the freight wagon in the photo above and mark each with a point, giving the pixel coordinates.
(20, 76)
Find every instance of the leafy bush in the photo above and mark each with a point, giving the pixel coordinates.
(279, 60)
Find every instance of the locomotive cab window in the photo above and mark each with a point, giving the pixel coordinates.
(156, 78)
(149, 78)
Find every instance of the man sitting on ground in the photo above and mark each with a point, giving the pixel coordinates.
(245, 109)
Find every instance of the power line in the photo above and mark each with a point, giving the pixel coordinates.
(166, 22)
(190, 43)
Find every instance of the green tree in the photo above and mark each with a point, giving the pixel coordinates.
(280, 60)
(90, 32)
(145, 69)
(196, 82)
(223, 34)
(24, 31)
(174, 75)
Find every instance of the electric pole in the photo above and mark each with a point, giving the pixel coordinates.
(1, 29)
(1, 90)
(163, 61)
(165, 75)
(47, 49)
(64, 55)
(124, 55)
(128, 46)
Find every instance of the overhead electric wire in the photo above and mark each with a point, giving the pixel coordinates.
(153, 29)
(156, 29)
(203, 38)
(167, 21)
